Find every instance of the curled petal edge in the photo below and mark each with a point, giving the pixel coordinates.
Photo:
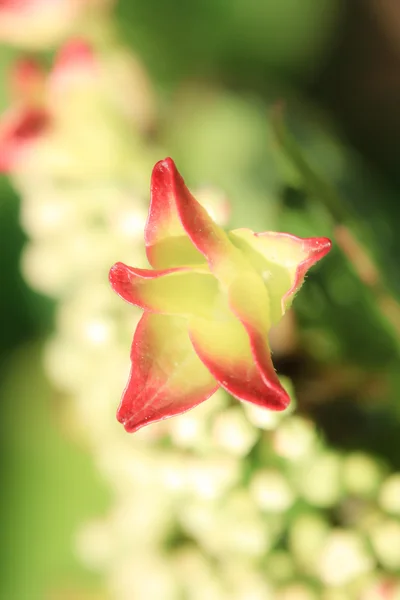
(316, 249)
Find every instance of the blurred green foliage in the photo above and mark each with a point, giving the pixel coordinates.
(240, 39)
(17, 320)
(48, 485)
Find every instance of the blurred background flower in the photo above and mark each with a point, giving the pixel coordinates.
(39, 24)
(228, 500)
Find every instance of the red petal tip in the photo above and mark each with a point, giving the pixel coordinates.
(164, 171)
(74, 52)
(18, 129)
(118, 276)
(166, 164)
(317, 247)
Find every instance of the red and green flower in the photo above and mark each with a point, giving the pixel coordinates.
(209, 302)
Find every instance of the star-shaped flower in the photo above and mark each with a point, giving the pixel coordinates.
(208, 306)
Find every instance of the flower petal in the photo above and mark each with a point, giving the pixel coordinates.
(167, 377)
(179, 291)
(240, 362)
(19, 128)
(282, 260)
(180, 231)
(75, 62)
(167, 244)
(249, 300)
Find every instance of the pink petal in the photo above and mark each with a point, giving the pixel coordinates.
(179, 291)
(16, 5)
(314, 249)
(167, 378)
(36, 23)
(249, 301)
(175, 215)
(19, 128)
(74, 54)
(225, 349)
(20, 6)
(167, 244)
(75, 63)
(237, 352)
(283, 258)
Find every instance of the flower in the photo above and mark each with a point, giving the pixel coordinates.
(38, 24)
(53, 114)
(27, 119)
(208, 306)
(19, 129)
(34, 93)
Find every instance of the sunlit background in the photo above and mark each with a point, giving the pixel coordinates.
(281, 115)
